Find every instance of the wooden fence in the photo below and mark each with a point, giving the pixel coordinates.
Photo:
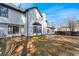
(75, 33)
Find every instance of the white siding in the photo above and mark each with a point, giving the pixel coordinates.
(33, 16)
(50, 31)
(14, 17)
(4, 28)
(44, 24)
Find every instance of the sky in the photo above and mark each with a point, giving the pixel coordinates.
(56, 12)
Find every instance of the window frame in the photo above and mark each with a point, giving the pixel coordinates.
(38, 29)
(12, 29)
(4, 12)
(47, 30)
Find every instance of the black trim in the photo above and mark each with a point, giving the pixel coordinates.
(12, 24)
(7, 6)
(36, 23)
(33, 8)
(51, 27)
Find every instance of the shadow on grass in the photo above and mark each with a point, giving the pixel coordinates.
(43, 46)
(55, 48)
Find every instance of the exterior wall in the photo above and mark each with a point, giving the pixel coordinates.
(50, 31)
(4, 30)
(32, 17)
(14, 18)
(21, 30)
(50, 28)
(20, 19)
(44, 24)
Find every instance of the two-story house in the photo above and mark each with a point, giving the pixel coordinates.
(14, 21)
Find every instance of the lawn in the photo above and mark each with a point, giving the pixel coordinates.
(55, 45)
(48, 45)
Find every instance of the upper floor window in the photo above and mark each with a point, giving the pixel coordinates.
(3, 11)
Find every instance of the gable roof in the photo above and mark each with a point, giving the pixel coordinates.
(34, 8)
(11, 6)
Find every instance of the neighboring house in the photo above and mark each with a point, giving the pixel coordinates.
(15, 21)
(47, 28)
(77, 26)
(63, 28)
(50, 29)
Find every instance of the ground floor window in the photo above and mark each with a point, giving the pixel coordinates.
(37, 28)
(13, 29)
(47, 30)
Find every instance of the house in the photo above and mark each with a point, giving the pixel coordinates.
(15, 22)
(49, 29)
(77, 26)
(63, 28)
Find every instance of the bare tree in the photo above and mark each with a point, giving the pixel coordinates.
(71, 24)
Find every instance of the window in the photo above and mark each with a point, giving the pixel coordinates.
(13, 29)
(37, 27)
(3, 11)
(47, 30)
(10, 29)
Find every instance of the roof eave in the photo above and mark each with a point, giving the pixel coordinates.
(33, 8)
(11, 7)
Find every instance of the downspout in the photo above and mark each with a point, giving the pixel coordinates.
(42, 25)
(27, 31)
(24, 51)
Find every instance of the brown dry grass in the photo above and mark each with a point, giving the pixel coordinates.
(14, 46)
(56, 46)
(49, 45)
